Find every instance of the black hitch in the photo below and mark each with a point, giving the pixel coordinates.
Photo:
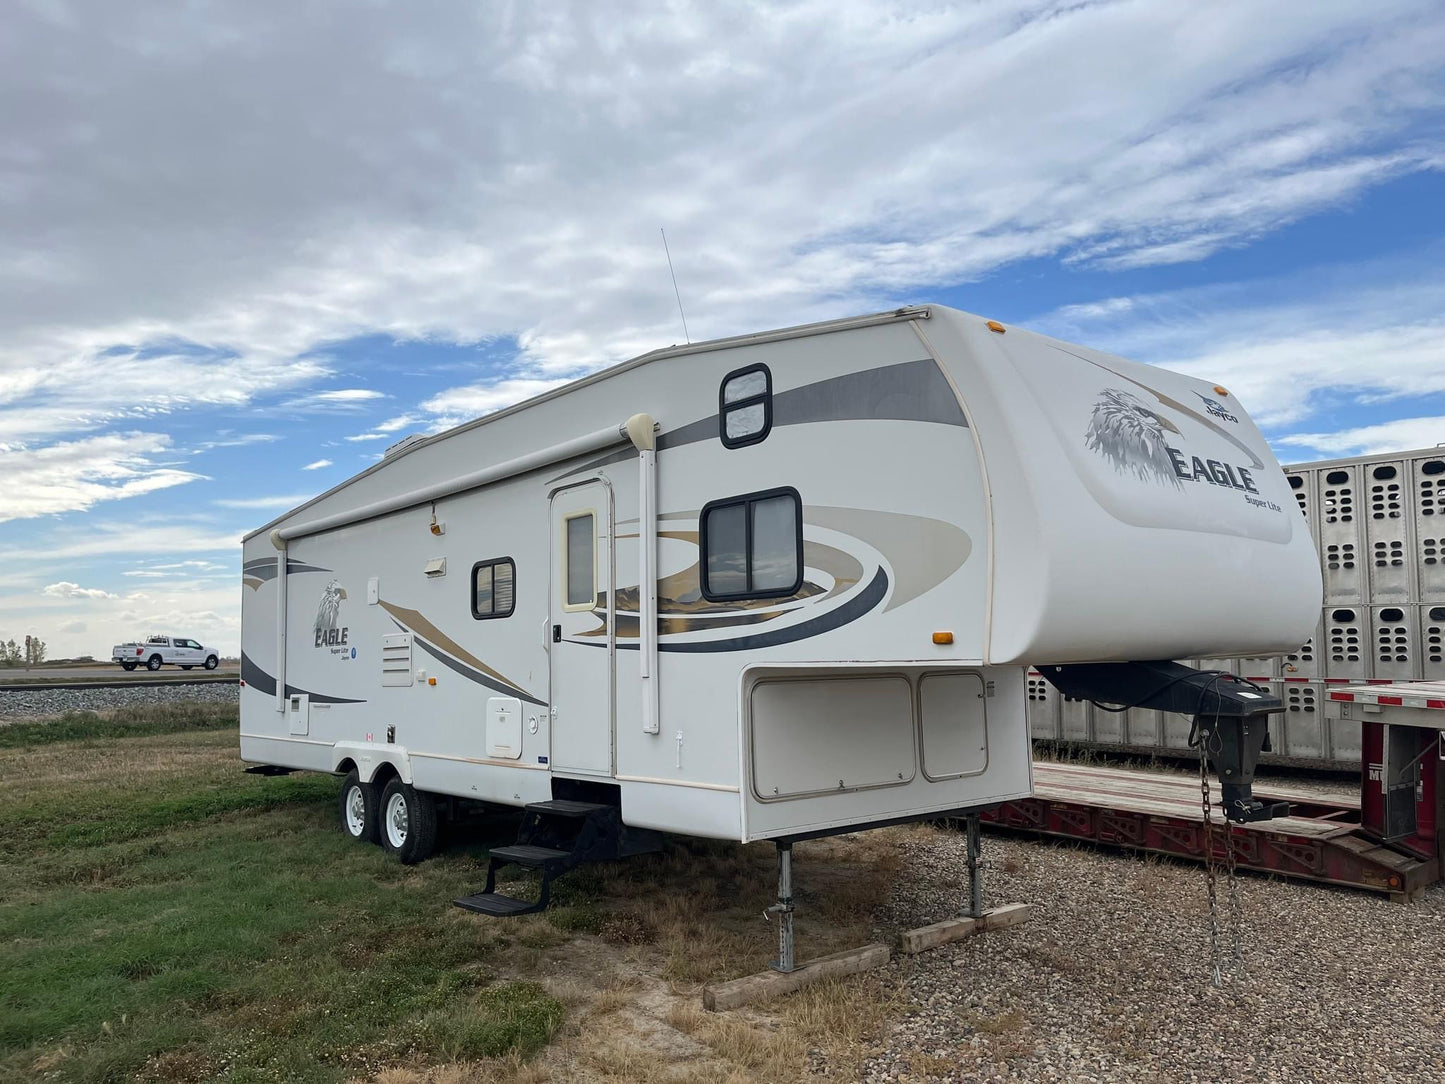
(1230, 716)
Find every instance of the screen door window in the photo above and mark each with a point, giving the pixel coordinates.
(581, 561)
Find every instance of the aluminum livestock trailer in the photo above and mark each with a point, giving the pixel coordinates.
(769, 587)
(1378, 524)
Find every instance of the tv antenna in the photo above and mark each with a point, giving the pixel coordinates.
(676, 293)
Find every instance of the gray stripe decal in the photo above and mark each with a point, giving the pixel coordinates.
(911, 391)
(470, 674)
(265, 569)
(257, 678)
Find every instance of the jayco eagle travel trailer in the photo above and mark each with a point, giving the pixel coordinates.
(771, 586)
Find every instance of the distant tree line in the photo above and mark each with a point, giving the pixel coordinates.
(29, 653)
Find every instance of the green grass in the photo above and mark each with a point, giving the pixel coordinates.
(163, 916)
(129, 722)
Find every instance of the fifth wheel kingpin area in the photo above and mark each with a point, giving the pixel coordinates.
(776, 586)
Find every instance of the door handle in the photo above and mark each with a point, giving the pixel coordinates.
(556, 634)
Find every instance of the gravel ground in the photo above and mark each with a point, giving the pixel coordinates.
(1109, 978)
(24, 704)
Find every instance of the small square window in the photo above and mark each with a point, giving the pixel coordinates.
(494, 588)
(580, 539)
(745, 406)
(752, 546)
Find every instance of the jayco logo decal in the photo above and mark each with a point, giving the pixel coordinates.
(1215, 407)
(329, 630)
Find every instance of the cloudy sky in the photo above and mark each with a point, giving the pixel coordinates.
(245, 246)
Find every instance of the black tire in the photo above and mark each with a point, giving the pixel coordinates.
(363, 823)
(184, 666)
(407, 822)
(127, 666)
(212, 662)
(153, 663)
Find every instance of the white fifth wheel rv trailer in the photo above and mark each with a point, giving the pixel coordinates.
(767, 587)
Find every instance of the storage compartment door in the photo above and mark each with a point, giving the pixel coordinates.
(504, 727)
(830, 735)
(955, 730)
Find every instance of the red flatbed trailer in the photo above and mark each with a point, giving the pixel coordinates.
(1322, 840)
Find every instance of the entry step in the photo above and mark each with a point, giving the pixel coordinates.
(565, 807)
(527, 854)
(498, 905)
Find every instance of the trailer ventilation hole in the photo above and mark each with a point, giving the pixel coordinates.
(1389, 554)
(1434, 649)
(1337, 477)
(1339, 504)
(1300, 698)
(1392, 614)
(1296, 482)
(1343, 615)
(1385, 500)
(1384, 473)
(1433, 466)
(1306, 653)
(1430, 548)
(1341, 555)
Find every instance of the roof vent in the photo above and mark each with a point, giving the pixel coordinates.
(403, 443)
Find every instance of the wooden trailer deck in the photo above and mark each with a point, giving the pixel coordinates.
(1160, 812)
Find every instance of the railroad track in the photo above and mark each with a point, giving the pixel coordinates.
(130, 683)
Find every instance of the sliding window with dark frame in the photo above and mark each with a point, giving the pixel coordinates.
(745, 406)
(494, 588)
(752, 546)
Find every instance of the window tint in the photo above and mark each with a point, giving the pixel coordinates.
(753, 546)
(745, 406)
(581, 563)
(494, 588)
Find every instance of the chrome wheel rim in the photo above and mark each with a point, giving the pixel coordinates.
(396, 821)
(355, 811)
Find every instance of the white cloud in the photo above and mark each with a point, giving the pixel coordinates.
(317, 465)
(1403, 434)
(66, 589)
(388, 428)
(348, 395)
(75, 475)
(72, 627)
(263, 503)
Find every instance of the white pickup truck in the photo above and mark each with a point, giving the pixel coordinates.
(157, 651)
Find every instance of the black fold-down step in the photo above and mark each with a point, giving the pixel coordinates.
(565, 807)
(528, 855)
(494, 903)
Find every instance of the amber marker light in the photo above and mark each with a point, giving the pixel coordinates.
(994, 325)
(943, 638)
(1220, 391)
(431, 681)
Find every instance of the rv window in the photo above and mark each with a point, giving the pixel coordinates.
(581, 540)
(745, 406)
(752, 546)
(494, 592)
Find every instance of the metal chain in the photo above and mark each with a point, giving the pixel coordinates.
(1209, 874)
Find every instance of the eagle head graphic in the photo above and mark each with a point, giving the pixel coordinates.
(326, 613)
(1131, 436)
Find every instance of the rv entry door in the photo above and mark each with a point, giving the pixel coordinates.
(582, 633)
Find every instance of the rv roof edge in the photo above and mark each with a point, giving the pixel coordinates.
(602, 438)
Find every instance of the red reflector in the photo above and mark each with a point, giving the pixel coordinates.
(139, 651)
(1343, 696)
(1435, 703)
(243, 684)
(1394, 700)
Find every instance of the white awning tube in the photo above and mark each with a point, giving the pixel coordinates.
(281, 559)
(603, 438)
(640, 430)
